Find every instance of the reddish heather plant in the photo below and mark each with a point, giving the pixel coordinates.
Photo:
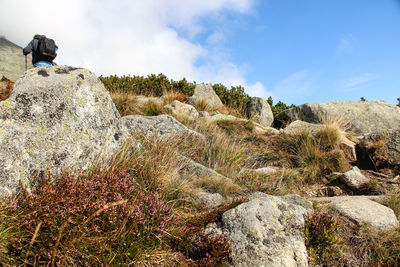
(87, 217)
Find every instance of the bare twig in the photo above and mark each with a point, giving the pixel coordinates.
(35, 235)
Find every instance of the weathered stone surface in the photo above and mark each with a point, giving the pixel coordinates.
(205, 92)
(298, 127)
(178, 109)
(220, 117)
(259, 110)
(162, 126)
(56, 118)
(263, 130)
(192, 167)
(268, 231)
(354, 179)
(389, 153)
(364, 117)
(211, 200)
(363, 210)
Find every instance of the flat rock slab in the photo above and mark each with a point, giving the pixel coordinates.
(362, 210)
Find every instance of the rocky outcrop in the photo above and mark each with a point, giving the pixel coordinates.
(178, 109)
(354, 179)
(297, 127)
(383, 147)
(56, 118)
(205, 93)
(268, 231)
(162, 126)
(12, 61)
(363, 210)
(363, 117)
(258, 110)
(194, 168)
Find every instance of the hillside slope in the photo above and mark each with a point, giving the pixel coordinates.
(12, 61)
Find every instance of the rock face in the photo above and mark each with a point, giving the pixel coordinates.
(56, 118)
(178, 109)
(258, 109)
(205, 92)
(363, 210)
(354, 179)
(162, 125)
(391, 151)
(268, 231)
(12, 61)
(364, 117)
(298, 127)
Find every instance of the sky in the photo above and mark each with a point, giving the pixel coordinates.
(296, 51)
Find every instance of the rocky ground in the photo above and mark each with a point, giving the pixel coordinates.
(63, 118)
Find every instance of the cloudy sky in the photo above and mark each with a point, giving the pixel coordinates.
(296, 51)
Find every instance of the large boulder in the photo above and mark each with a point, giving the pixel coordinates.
(268, 231)
(56, 118)
(205, 93)
(383, 147)
(363, 116)
(354, 179)
(181, 110)
(259, 110)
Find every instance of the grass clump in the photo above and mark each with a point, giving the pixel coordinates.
(316, 155)
(377, 248)
(125, 103)
(152, 109)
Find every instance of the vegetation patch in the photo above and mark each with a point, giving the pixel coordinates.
(321, 236)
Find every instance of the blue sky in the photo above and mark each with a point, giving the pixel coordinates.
(310, 51)
(296, 51)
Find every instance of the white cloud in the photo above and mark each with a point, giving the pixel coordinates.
(133, 37)
(358, 80)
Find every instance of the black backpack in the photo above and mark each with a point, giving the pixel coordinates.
(47, 47)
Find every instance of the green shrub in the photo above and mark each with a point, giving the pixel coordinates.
(152, 85)
(235, 97)
(321, 236)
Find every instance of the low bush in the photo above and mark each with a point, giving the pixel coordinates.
(321, 236)
(105, 217)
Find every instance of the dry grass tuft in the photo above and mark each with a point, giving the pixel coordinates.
(125, 103)
(170, 96)
(216, 184)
